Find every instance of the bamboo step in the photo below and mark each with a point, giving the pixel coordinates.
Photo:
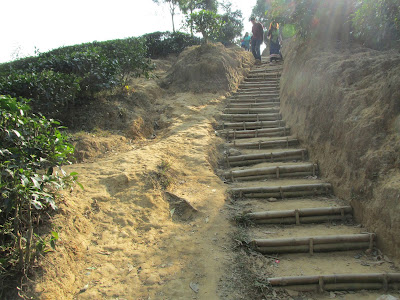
(248, 111)
(263, 132)
(255, 98)
(252, 117)
(338, 282)
(256, 94)
(313, 244)
(266, 144)
(263, 104)
(283, 191)
(301, 216)
(252, 159)
(261, 86)
(274, 74)
(252, 125)
(282, 171)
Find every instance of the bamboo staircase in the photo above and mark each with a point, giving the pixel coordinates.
(278, 188)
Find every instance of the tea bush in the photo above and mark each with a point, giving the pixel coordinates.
(161, 44)
(31, 154)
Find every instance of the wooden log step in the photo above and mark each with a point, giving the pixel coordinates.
(264, 132)
(266, 144)
(261, 80)
(257, 110)
(272, 76)
(266, 89)
(251, 159)
(252, 125)
(305, 169)
(255, 98)
(257, 94)
(252, 117)
(286, 191)
(313, 244)
(263, 86)
(301, 216)
(260, 104)
(338, 282)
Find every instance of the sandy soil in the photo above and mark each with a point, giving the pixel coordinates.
(150, 222)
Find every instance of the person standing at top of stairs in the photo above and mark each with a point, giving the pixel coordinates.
(257, 39)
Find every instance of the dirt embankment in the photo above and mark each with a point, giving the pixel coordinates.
(343, 102)
(151, 221)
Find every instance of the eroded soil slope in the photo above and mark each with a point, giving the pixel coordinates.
(151, 222)
(343, 102)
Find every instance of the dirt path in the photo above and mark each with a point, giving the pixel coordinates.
(131, 239)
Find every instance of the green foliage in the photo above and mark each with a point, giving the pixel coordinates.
(206, 22)
(49, 88)
(161, 44)
(377, 22)
(260, 11)
(232, 26)
(64, 75)
(31, 153)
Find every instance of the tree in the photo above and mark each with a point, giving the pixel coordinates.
(260, 10)
(189, 7)
(232, 25)
(173, 5)
(206, 22)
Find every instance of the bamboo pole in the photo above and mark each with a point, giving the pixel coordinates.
(250, 162)
(303, 220)
(253, 101)
(342, 287)
(267, 155)
(302, 212)
(288, 191)
(257, 110)
(270, 176)
(387, 278)
(315, 248)
(268, 144)
(252, 117)
(254, 94)
(324, 239)
(252, 105)
(263, 132)
(271, 170)
(253, 124)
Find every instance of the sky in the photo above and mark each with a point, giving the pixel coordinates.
(42, 25)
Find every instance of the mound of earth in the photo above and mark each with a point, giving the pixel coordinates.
(208, 68)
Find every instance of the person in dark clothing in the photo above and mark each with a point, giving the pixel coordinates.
(257, 39)
(275, 38)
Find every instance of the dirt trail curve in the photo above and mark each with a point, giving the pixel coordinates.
(306, 235)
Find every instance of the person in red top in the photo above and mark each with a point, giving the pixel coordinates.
(257, 39)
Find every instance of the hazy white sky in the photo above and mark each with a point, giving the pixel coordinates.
(49, 24)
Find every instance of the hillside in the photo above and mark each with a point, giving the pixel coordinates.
(153, 221)
(344, 104)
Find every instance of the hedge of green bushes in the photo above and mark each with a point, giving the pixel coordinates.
(57, 78)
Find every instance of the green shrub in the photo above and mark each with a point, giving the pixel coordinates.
(377, 22)
(32, 148)
(75, 72)
(206, 22)
(232, 26)
(50, 89)
(161, 44)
